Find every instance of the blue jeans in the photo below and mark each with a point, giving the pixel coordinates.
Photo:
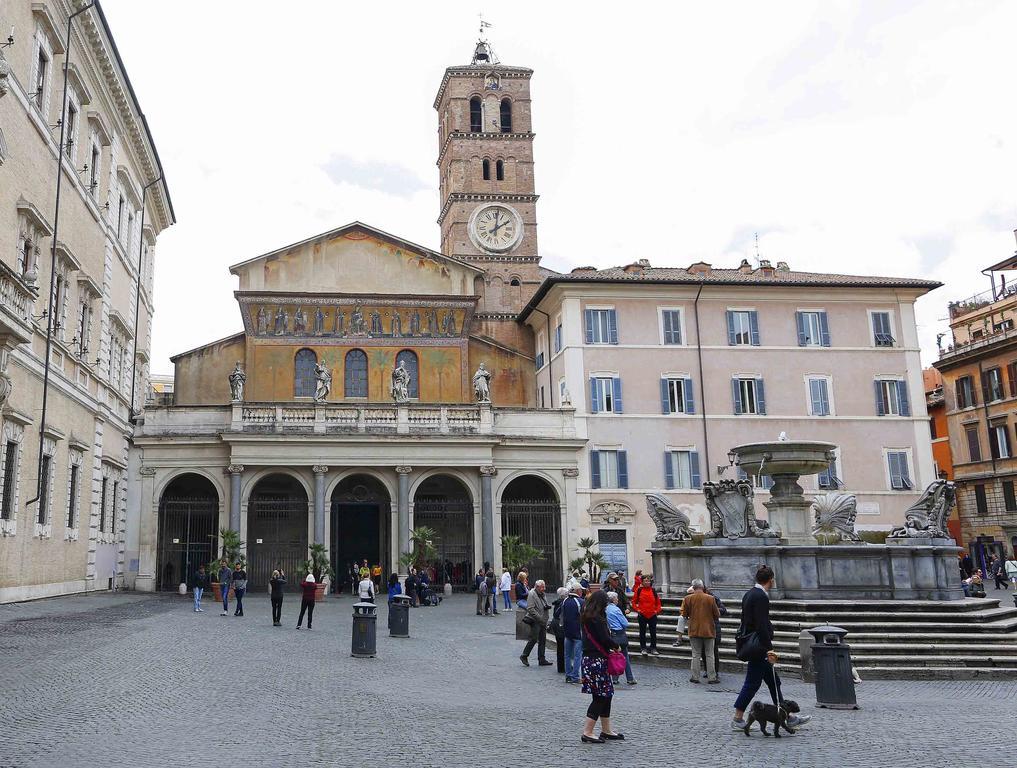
(197, 597)
(573, 658)
(756, 673)
(619, 636)
(239, 595)
(506, 600)
(225, 598)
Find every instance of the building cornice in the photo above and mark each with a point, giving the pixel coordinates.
(488, 135)
(482, 197)
(480, 70)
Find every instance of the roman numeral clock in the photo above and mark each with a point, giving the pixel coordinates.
(497, 228)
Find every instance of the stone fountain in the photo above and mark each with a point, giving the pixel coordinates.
(918, 561)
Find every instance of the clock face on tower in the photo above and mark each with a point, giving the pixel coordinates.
(497, 228)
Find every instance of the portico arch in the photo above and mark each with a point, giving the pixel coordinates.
(188, 524)
(530, 509)
(361, 526)
(277, 522)
(443, 502)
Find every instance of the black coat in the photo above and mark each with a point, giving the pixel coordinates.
(756, 616)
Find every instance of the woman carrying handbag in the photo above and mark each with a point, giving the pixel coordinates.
(600, 657)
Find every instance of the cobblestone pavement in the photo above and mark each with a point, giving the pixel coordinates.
(142, 680)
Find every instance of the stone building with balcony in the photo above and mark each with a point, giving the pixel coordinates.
(979, 369)
(75, 296)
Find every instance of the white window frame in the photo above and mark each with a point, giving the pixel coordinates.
(747, 311)
(817, 340)
(44, 530)
(681, 326)
(1002, 385)
(605, 470)
(72, 127)
(829, 394)
(743, 379)
(76, 459)
(559, 334)
(43, 48)
(13, 432)
(671, 378)
(893, 328)
(607, 393)
(542, 352)
(672, 450)
(892, 404)
(607, 328)
(996, 426)
(911, 465)
(562, 389)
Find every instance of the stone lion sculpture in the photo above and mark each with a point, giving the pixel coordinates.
(835, 514)
(672, 524)
(926, 518)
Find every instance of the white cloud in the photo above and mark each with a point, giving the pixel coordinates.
(860, 138)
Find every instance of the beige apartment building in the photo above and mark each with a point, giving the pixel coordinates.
(63, 482)
(668, 368)
(979, 371)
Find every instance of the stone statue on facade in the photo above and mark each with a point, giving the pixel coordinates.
(376, 329)
(448, 324)
(396, 324)
(357, 326)
(262, 321)
(323, 382)
(237, 381)
(299, 321)
(672, 524)
(339, 324)
(281, 322)
(319, 322)
(415, 323)
(732, 514)
(400, 383)
(482, 384)
(835, 515)
(926, 518)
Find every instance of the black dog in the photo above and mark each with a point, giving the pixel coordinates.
(767, 713)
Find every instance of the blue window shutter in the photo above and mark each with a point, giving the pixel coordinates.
(902, 398)
(815, 397)
(824, 329)
(903, 460)
(612, 326)
(690, 398)
(623, 470)
(589, 325)
(824, 397)
(616, 394)
(754, 328)
(736, 396)
(730, 328)
(665, 401)
(880, 405)
(893, 458)
(594, 395)
(668, 471)
(760, 398)
(800, 320)
(595, 469)
(694, 469)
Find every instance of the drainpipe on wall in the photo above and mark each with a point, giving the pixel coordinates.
(985, 410)
(702, 388)
(550, 377)
(132, 415)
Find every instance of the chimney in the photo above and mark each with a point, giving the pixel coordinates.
(783, 267)
(643, 262)
(766, 268)
(700, 268)
(745, 268)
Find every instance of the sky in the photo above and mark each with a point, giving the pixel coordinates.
(860, 138)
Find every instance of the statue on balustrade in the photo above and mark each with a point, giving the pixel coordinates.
(400, 383)
(732, 514)
(482, 384)
(323, 382)
(926, 518)
(237, 381)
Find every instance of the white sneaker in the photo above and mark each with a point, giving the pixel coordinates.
(224, 613)
(796, 721)
(737, 725)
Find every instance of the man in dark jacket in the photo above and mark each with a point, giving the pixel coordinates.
(756, 619)
(492, 586)
(200, 585)
(570, 610)
(225, 580)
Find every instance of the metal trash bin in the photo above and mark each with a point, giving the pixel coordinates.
(365, 631)
(831, 659)
(522, 628)
(399, 616)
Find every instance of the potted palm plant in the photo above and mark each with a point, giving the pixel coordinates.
(232, 547)
(593, 561)
(516, 554)
(320, 565)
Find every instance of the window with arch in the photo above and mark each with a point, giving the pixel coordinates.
(355, 374)
(499, 170)
(303, 373)
(506, 115)
(514, 281)
(476, 115)
(409, 360)
(486, 165)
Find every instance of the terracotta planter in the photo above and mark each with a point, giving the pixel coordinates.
(217, 591)
(319, 592)
(512, 592)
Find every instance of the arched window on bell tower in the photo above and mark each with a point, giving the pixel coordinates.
(506, 115)
(499, 170)
(486, 165)
(476, 115)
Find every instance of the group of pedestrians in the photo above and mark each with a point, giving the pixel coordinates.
(488, 587)
(235, 580)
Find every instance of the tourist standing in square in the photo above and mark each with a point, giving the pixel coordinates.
(537, 610)
(618, 625)
(307, 589)
(701, 612)
(225, 580)
(200, 585)
(239, 587)
(597, 644)
(276, 584)
(647, 604)
(571, 610)
(506, 589)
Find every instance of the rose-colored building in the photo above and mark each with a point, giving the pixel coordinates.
(669, 367)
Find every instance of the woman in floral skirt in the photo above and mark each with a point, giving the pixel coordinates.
(596, 681)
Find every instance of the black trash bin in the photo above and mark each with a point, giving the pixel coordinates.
(831, 659)
(399, 616)
(365, 631)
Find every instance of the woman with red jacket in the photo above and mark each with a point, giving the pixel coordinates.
(307, 587)
(646, 603)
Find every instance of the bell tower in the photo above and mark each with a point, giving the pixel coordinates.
(488, 204)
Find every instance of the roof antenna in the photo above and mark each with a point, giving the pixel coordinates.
(757, 249)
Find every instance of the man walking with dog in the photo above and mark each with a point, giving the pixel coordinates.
(755, 646)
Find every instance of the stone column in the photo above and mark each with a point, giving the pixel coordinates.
(319, 502)
(403, 534)
(487, 514)
(235, 471)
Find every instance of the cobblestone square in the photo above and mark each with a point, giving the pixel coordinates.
(142, 680)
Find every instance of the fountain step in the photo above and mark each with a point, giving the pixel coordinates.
(852, 606)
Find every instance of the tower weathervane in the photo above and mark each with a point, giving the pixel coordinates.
(483, 53)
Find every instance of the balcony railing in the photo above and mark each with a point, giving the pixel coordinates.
(955, 350)
(979, 301)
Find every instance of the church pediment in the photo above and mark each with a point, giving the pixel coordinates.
(357, 258)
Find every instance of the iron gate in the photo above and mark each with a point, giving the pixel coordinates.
(452, 520)
(187, 538)
(538, 523)
(280, 522)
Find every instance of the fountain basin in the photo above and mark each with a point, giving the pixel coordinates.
(794, 457)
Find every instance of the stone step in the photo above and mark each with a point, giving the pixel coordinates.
(972, 617)
(933, 673)
(853, 606)
(785, 646)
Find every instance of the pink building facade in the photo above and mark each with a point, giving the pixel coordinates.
(668, 368)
